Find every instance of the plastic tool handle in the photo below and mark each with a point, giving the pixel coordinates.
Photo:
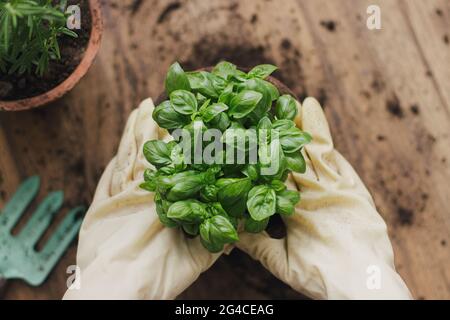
(2, 287)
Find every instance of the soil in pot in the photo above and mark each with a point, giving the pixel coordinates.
(27, 85)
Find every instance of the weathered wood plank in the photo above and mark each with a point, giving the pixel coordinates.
(390, 119)
(386, 93)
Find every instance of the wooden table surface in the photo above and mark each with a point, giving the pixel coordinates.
(386, 95)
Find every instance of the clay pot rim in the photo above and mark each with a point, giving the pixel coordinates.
(284, 89)
(79, 72)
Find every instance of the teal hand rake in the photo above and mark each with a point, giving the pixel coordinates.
(18, 256)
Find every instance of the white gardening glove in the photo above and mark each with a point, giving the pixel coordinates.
(124, 252)
(337, 246)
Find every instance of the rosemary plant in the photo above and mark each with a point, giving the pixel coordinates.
(29, 33)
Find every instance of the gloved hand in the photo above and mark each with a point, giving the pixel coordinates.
(337, 246)
(124, 252)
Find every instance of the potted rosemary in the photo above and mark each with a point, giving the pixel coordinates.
(46, 47)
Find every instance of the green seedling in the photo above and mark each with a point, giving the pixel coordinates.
(209, 200)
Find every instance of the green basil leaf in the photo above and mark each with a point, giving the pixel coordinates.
(272, 163)
(235, 125)
(201, 99)
(183, 102)
(278, 185)
(253, 226)
(229, 88)
(148, 186)
(286, 108)
(205, 230)
(176, 79)
(264, 124)
(218, 83)
(283, 125)
(177, 157)
(216, 208)
(172, 144)
(261, 202)
(209, 242)
(296, 162)
(225, 70)
(209, 176)
(204, 105)
(149, 175)
(209, 193)
(157, 153)
(171, 180)
(162, 206)
(222, 230)
(226, 97)
(262, 71)
(166, 171)
(238, 138)
(187, 188)
(286, 202)
(251, 171)
(191, 229)
(264, 129)
(195, 127)
(239, 76)
(188, 211)
(202, 82)
(273, 91)
(264, 105)
(213, 110)
(221, 122)
(166, 116)
(232, 194)
(294, 139)
(244, 103)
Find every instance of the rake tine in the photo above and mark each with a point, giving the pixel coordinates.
(15, 207)
(62, 238)
(41, 218)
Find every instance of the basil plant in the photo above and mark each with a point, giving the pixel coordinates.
(211, 198)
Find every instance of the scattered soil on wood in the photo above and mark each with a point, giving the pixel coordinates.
(394, 108)
(330, 25)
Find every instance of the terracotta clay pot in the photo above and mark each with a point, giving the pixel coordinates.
(67, 85)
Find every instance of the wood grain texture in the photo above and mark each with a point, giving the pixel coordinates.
(386, 95)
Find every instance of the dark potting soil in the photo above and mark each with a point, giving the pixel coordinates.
(27, 85)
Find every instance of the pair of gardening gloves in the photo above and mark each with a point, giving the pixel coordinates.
(336, 247)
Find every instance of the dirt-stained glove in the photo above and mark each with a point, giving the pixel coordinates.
(337, 246)
(124, 251)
